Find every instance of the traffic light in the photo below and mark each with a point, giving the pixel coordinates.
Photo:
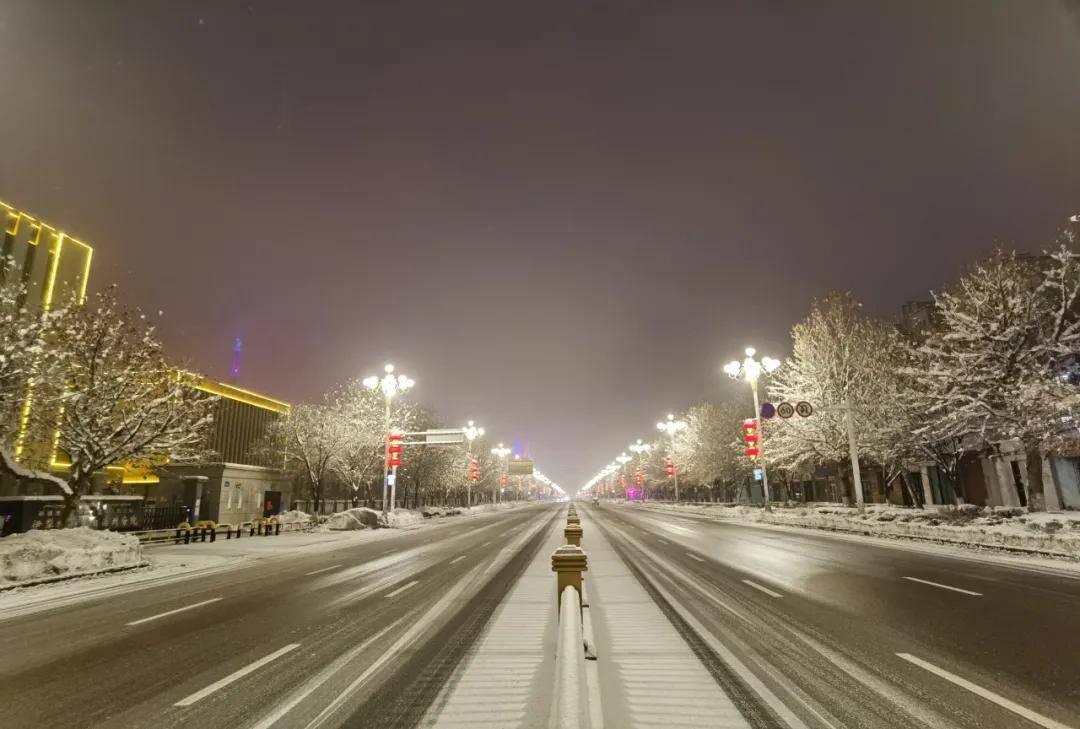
(750, 435)
(394, 451)
(474, 470)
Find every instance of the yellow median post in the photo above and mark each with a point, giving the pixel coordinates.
(572, 532)
(568, 562)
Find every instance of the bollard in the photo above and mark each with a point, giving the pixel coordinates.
(572, 532)
(277, 528)
(568, 562)
(572, 518)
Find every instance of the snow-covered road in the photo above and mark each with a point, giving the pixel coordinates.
(848, 632)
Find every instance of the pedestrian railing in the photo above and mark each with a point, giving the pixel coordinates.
(210, 531)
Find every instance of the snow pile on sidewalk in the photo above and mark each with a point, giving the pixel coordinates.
(39, 554)
(358, 518)
(295, 517)
(1002, 527)
(402, 519)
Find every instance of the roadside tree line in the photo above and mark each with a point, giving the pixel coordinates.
(997, 362)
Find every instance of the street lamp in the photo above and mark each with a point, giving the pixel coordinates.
(500, 452)
(391, 385)
(671, 426)
(640, 449)
(623, 459)
(471, 433)
(750, 370)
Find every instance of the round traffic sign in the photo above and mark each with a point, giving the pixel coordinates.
(768, 410)
(803, 409)
(785, 410)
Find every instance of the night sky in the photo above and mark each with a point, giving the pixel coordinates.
(560, 218)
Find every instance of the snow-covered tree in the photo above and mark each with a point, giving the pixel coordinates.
(360, 413)
(120, 401)
(710, 451)
(843, 361)
(310, 439)
(1001, 363)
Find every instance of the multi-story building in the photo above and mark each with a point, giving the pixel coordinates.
(54, 266)
(242, 483)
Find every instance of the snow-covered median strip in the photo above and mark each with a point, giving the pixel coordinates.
(42, 555)
(1052, 534)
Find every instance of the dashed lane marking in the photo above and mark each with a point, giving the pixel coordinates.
(1036, 718)
(324, 569)
(403, 588)
(694, 556)
(200, 695)
(766, 590)
(944, 587)
(174, 612)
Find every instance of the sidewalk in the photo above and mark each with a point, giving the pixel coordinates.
(646, 673)
(649, 677)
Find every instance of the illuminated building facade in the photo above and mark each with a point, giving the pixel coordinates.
(54, 266)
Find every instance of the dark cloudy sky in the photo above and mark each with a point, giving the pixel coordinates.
(559, 217)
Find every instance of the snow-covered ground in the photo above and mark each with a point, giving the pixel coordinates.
(1056, 533)
(40, 554)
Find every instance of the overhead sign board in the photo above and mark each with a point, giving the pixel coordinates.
(521, 467)
(442, 436)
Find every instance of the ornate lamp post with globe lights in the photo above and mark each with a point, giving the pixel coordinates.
(640, 449)
(500, 452)
(472, 432)
(391, 385)
(671, 426)
(750, 370)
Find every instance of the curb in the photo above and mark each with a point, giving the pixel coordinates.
(73, 576)
(975, 546)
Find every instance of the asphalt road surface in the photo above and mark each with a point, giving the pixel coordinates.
(360, 636)
(847, 633)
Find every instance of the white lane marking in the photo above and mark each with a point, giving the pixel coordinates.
(174, 612)
(458, 559)
(766, 590)
(325, 675)
(663, 541)
(1001, 701)
(324, 569)
(402, 589)
(694, 556)
(200, 695)
(944, 587)
(485, 544)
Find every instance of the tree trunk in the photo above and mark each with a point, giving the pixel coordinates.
(1036, 493)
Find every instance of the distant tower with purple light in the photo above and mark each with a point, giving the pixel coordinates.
(238, 348)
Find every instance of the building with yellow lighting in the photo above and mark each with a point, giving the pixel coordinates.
(53, 265)
(243, 484)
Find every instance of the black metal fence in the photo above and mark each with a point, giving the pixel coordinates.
(164, 517)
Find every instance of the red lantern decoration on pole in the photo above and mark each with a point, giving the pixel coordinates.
(750, 436)
(394, 451)
(474, 470)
